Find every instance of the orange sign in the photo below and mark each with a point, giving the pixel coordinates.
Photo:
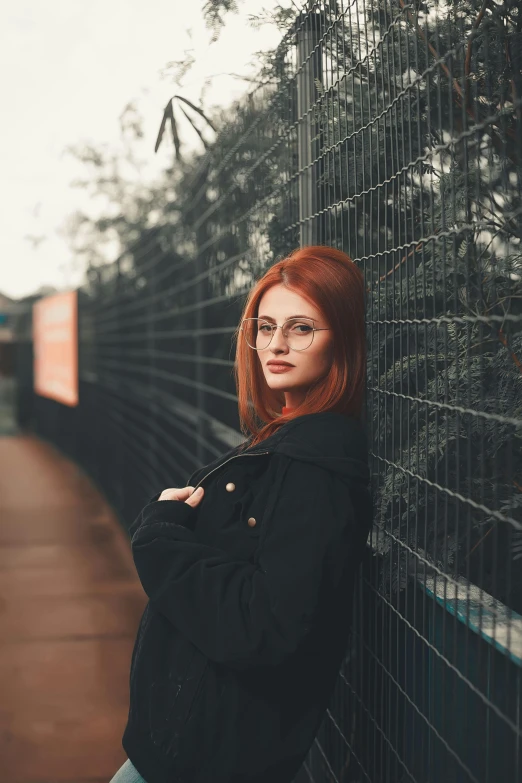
(55, 340)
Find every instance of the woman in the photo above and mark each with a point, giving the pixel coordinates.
(249, 569)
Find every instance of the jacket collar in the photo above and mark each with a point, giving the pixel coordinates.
(332, 440)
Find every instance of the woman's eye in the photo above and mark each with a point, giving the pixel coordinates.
(301, 328)
(265, 328)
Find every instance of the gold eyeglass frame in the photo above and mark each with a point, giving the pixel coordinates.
(278, 326)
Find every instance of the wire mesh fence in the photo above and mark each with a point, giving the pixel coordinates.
(393, 131)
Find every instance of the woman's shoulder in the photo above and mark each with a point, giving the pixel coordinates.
(323, 424)
(332, 440)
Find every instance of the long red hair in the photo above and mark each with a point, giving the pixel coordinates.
(330, 280)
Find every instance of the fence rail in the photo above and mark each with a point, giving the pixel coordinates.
(393, 131)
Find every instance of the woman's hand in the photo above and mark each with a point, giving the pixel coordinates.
(186, 494)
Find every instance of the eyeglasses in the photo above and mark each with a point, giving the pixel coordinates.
(298, 332)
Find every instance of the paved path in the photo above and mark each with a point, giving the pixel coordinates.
(70, 603)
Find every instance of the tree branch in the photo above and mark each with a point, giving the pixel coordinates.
(503, 339)
(460, 100)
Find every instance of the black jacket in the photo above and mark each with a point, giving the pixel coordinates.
(250, 596)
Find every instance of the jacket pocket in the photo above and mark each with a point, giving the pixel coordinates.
(176, 724)
(194, 680)
(166, 676)
(201, 738)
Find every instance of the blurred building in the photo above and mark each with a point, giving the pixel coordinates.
(8, 308)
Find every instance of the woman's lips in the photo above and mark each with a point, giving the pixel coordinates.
(279, 367)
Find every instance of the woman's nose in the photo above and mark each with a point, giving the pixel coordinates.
(278, 340)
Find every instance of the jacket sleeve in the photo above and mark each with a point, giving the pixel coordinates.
(185, 516)
(238, 613)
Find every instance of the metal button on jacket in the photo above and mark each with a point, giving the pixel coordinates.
(230, 487)
(251, 521)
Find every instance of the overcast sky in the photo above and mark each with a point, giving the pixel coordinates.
(67, 70)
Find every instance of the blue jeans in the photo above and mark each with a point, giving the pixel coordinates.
(127, 774)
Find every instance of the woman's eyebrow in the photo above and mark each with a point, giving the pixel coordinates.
(298, 315)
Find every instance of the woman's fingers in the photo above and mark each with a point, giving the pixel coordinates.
(186, 494)
(195, 497)
(176, 494)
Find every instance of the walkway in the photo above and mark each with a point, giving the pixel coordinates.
(70, 603)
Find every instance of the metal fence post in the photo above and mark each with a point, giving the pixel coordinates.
(309, 31)
(120, 489)
(152, 405)
(199, 320)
